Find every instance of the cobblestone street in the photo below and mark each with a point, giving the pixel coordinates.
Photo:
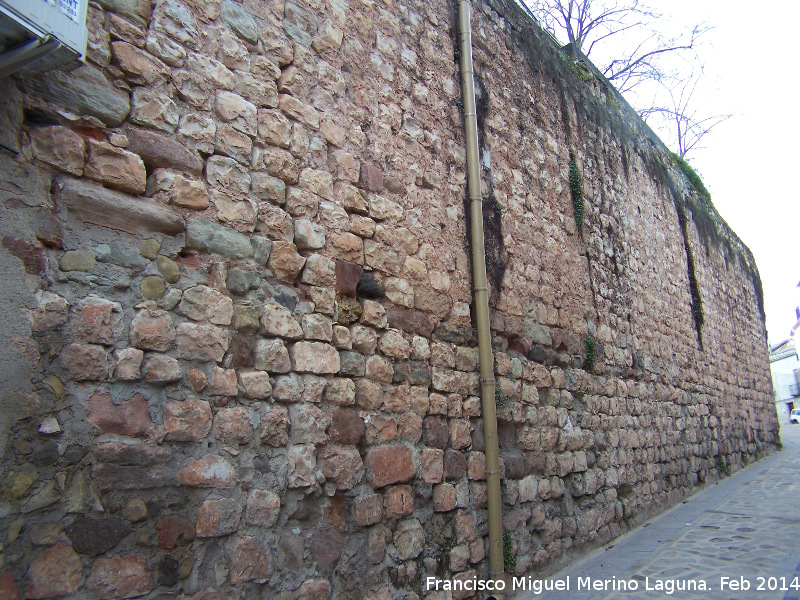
(745, 528)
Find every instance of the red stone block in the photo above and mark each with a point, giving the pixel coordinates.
(389, 464)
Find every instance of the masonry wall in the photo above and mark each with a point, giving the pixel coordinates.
(240, 359)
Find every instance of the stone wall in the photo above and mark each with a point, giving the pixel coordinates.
(240, 359)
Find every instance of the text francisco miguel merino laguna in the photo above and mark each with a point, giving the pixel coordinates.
(537, 586)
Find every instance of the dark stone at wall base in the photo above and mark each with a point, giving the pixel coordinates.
(168, 571)
(94, 536)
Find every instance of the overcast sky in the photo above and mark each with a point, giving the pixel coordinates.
(748, 162)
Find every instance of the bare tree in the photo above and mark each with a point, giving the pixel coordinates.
(594, 25)
(686, 123)
(626, 41)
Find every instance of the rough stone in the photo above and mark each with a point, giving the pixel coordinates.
(95, 536)
(302, 466)
(409, 539)
(209, 471)
(371, 178)
(250, 561)
(171, 187)
(217, 239)
(232, 425)
(174, 531)
(272, 356)
(202, 303)
(340, 392)
(398, 501)
(84, 91)
(161, 369)
(346, 427)
(59, 147)
(95, 204)
(284, 260)
(216, 518)
(121, 576)
(341, 465)
(130, 417)
(187, 421)
(278, 321)
(71, 260)
(201, 341)
(154, 109)
(389, 464)
(315, 357)
(152, 329)
(153, 287)
(139, 66)
(55, 572)
(255, 385)
(314, 589)
(96, 320)
(238, 19)
(160, 151)
(263, 508)
(275, 426)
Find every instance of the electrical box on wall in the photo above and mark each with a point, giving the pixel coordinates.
(39, 35)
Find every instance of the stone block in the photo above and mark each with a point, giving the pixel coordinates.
(121, 576)
(160, 151)
(216, 518)
(130, 417)
(152, 329)
(84, 91)
(315, 357)
(187, 421)
(341, 465)
(201, 341)
(97, 205)
(389, 464)
(206, 236)
(202, 303)
(55, 572)
(398, 501)
(208, 471)
(59, 147)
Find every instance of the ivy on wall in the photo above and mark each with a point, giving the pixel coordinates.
(576, 190)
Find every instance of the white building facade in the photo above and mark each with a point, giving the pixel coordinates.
(785, 367)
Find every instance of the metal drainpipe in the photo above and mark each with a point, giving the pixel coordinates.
(481, 299)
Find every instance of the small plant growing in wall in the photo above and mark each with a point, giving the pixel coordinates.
(723, 469)
(576, 190)
(591, 353)
(500, 400)
(509, 560)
